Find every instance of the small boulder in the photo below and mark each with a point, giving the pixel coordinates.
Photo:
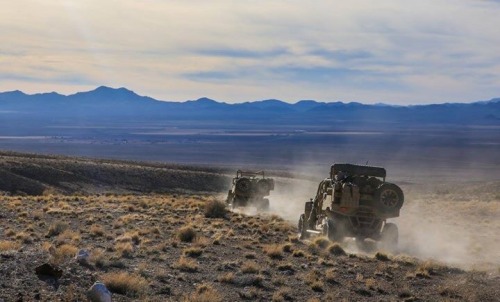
(82, 256)
(99, 293)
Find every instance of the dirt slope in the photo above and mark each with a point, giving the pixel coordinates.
(162, 247)
(35, 174)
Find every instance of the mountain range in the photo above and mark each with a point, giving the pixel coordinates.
(105, 103)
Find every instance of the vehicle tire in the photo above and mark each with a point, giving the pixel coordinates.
(389, 236)
(230, 197)
(334, 231)
(243, 186)
(263, 187)
(389, 197)
(302, 227)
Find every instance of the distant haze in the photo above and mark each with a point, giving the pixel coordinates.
(391, 51)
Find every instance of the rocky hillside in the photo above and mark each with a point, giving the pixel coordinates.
(186, 248)
(34, 174)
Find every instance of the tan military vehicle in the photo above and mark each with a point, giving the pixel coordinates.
(355, 201)
(249, 189)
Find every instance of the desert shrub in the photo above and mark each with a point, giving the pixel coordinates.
(203, 293)
(57, 228)
(226, 278)
(274, 251)
(125, 284)
(298, 253)
(186, 234)
(186, 265)
(381, 256)
(215, 209)
(249, 267)
(336, 249)
(282, 294)
(96, 230)
(7, 245)
(124, 249)
(63, 252)
(193, 252)
(321, 242)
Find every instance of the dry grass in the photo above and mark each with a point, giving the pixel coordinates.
(186, 234)
(124, 249)
(226, 278)
(96, 230)
(186, 265)
(322, 242)
(215, 209)
(193, 252)
(7, 245)
(203, 293)
(125, 284)
(274, 251)
(336, 249)
(63, 252)
(282, 294)
(250, 267)
(57, 228)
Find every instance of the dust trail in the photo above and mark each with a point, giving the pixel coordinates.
(459, 228)
(463, 234)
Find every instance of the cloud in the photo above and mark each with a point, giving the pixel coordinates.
(390, 51)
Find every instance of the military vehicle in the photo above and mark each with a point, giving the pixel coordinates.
(249, 189)
(355, 201)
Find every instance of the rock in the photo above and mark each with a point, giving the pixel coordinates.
(82, 256)
(99, 293)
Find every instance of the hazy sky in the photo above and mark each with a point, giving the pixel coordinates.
(392, 51)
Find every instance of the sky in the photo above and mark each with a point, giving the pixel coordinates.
(387, 51)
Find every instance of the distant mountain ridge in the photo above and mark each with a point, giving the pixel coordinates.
(105, 102)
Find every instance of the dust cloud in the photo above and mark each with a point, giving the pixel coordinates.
(458, 228)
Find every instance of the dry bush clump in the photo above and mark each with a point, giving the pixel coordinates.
(282, 294)
(7, 245)
(63, 252)
(57, 228)
(322, 242)
(69, 235)
(226, 278)
(96, 230)
(250, 267)
(274, 251)
(186, 265)
(193, 252)
(336, 249)
(215, 209)
(186, 234)
(203, 293)
(124, 249)
(125, 284)
(381, 256)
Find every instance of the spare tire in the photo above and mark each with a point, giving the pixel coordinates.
(389, 197)
(263, 187)
(243, 186)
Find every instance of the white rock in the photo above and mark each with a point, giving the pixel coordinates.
(99, 293)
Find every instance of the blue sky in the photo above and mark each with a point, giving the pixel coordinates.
(391, 51)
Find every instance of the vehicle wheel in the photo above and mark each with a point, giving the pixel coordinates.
(230, 197)
(263, 187)
(334, 231)
(389, 236)
(389, 196)
(243, 186)
(302, 227)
